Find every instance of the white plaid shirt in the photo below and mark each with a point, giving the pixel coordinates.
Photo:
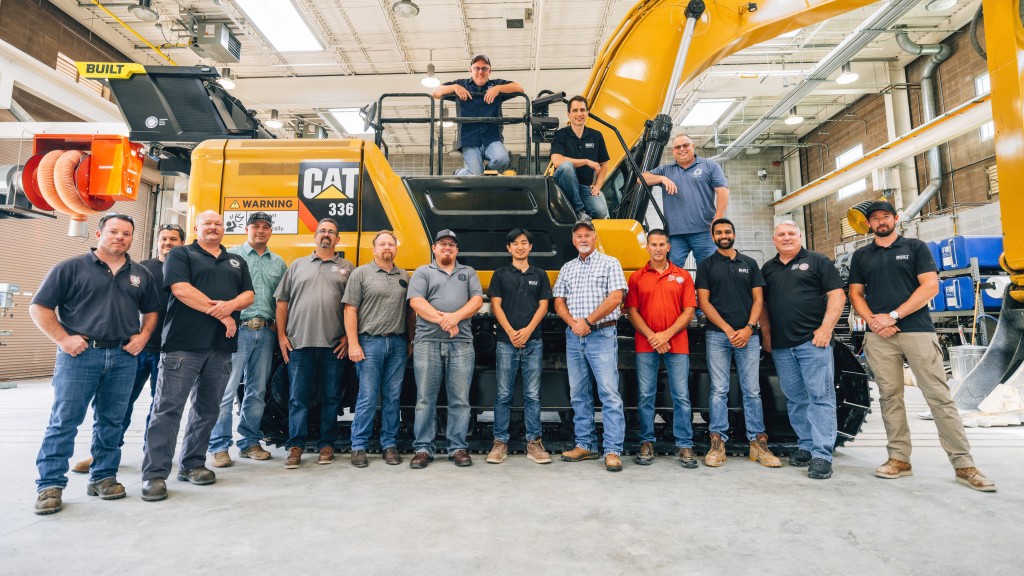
(586, 283)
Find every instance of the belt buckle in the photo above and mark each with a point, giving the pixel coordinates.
(256, 323)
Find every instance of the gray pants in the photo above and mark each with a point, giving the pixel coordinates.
(199, 377)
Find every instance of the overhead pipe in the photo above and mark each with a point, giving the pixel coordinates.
(133, 31)
(939, 53)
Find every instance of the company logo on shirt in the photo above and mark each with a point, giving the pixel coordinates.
(462, 277)
(235, 263)
(135, 280)
(903, 256)
(697, 172)
(588, 145)
(803, 266)
(532, 282)
(743, 270)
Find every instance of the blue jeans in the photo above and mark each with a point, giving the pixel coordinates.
(381, 372)
(579, 194)
(250, 365)
(473, 158)
(700, 243)
(453, 363)
(597, 355)
(304, 366)
(510, 360)
(806, 378)
(101, 376)
(720, 353)
(148, 369)
(678, 367)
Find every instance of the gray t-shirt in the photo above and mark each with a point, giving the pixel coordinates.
(379, 297)
(692, 208)
(313, 289)
(446, 293)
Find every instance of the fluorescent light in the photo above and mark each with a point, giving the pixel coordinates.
(793, 119)
(282, 25)
(350, 120)
(848, 76)
(430, 81)
(938, 5)
(273, 123)
(405, 9)
(225, 80)
(707, 112)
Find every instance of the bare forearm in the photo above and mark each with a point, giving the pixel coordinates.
(351, 315)
(834, 309)
(470, 307)
(682, 321)
(563, 311)
(46, 320)
(858, 302)
(634, 317)
(281, 314)
(191, 296)
(918, 299)
(538, 316)
(721, 201)
(244, 300)
(711, 312)
(424, 310)
(148, 324)
(610, 303)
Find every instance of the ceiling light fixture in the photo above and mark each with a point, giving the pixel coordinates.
(226, 81)
(793, 118)
(280, 22)
(430, 81)
(939, 5)
(273, 123)
(405, 9)
(707, 111)
(144, 11)
(848, 76)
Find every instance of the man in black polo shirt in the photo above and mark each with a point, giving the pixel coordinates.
(891, 281)
(519, 299)
(98, 334)
(803, 301)
(580, 157)
(209, 287)
(479, 141)
(729, 288)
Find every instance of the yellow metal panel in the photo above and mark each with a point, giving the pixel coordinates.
(414, 246)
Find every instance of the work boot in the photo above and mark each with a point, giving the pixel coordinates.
(894, 468)
(800, 458)
(535, 451)
(222, 460)
(256, 452)
(106, 489)
(686, 459)
(759, 452)
(612, 463)
(972, 478)
(154, 489)
(498, 453)
(646, 455)
(200, 476)
(391, 456)
(579, 454)
(326, 455)
(294, 458)
(819, 469)
(420, 460)
(82, 467)
(461, 458)
(716, 454)
(48, 501)
(358, 459)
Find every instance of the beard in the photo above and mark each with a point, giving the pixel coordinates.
(884, 233)
(725, 243)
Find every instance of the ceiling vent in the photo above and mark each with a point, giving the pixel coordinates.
(216, 42)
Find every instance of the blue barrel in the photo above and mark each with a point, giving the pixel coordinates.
(936, 248)
(938, 303)
(959, 293)
(958, 251)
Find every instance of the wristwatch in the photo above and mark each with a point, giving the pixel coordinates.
(753, 327)
(894, 315)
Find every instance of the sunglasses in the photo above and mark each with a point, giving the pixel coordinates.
(119, 216)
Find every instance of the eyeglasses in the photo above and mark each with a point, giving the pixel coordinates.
(326, 231)
(680, 146)
(117, 215)
(480, 68)
(447, 244)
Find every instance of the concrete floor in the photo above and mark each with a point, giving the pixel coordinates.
(520, 517)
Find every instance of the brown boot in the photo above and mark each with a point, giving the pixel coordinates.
(498, 453)
(222, 460)
(972, 478)
(535, 451)
(256, 452)
(294, 458)
(894, 468)
(686, 459)
(716, 455)
(49, 501)
(326, 455)
(579, 454)
(646, 455)
(82, 467)
(759, 452)
(613, 463)
(391, 456)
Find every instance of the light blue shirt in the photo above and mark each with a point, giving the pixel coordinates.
(266, 272)
(692, 208)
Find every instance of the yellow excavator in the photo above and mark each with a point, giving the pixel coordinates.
(235, 167)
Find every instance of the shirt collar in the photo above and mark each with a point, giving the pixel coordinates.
(897, 243)
(376, 268)
(96, 259)
(592, 255)
(696, 160)
(672, 268)
(336, 259)
(433, 264)
(223, 251)
(801, 254)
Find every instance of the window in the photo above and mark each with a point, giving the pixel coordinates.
(982, 86)
(987, 131)
(845, 159)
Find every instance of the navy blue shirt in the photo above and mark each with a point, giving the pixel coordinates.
(692, 208)
(889, 275)
(589, 146)
(92, 301)
(478, 133)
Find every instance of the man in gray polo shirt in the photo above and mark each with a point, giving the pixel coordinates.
(375, 323)
(445, 295)
(312, 340)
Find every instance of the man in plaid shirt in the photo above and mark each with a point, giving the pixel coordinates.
(588, 292)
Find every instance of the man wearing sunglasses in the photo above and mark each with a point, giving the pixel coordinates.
(696, 194)
(479, 96)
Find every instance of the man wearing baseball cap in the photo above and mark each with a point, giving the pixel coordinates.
(479, 96)
(891, 281)
(251, 363)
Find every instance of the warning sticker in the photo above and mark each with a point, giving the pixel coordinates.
(262, 204)
(285, 221)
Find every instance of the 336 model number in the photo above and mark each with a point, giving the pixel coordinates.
(341, 209)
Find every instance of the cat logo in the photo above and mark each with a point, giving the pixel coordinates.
(323, 181)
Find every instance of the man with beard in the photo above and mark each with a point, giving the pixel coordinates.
(587, 293)
(580, 157)
(479, 141)
(168, 237)
(891, 281)
(311, 335)
(209, 288)
(256, 341)
(445, 295)
(99, 296)
(375, 323)
(729, 287)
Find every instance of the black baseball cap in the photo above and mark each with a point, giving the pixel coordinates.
(880, 205)
(584, 222)
(480, 57)
(446, 233)
(260, 216)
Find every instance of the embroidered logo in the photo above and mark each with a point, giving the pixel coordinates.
(671, 277)
(698, 172)
(235, 263)
(334, 268)
(679, 279)
(903, 256)
(136, 280)
(804, 266)
(743, 270)
(532, 282)
(462, 276)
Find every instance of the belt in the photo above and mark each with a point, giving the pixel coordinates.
(106, 343)
(255, 323)
(607, 324)
(402, 334)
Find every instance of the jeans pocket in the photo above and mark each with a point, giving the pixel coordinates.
(170, 362)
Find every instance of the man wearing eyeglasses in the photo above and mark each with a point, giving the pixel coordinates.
(479, 96)
(257, 339)
(445, 295)
(209, 288)
(696, 194)
(311, 335)
(168, 237)
(100, 296)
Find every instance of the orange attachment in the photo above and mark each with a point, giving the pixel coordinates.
(114, 166)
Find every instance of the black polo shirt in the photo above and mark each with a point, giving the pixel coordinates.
(795, 294)
(730, 282)
(889, 275)
(589, 146)
(156, 268)
(478, 133)
(220, 278)
(520, 293)
(92, 301)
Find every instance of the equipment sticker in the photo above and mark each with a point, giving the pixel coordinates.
(285, 221)
(328, 189)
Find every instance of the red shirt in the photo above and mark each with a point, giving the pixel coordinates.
(660, 298)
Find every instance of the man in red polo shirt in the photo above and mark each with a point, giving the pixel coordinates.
(660, 303)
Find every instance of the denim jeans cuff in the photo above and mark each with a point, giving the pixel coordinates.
(680, 445)
(610, 452)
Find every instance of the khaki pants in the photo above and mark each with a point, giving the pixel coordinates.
(885, 356)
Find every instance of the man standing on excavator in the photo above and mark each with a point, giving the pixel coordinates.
(580, 157)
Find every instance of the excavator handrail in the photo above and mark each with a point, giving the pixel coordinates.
(378, 122)
(524, 119)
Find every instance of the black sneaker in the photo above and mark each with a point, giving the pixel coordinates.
(800, 458)
(819, 469)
